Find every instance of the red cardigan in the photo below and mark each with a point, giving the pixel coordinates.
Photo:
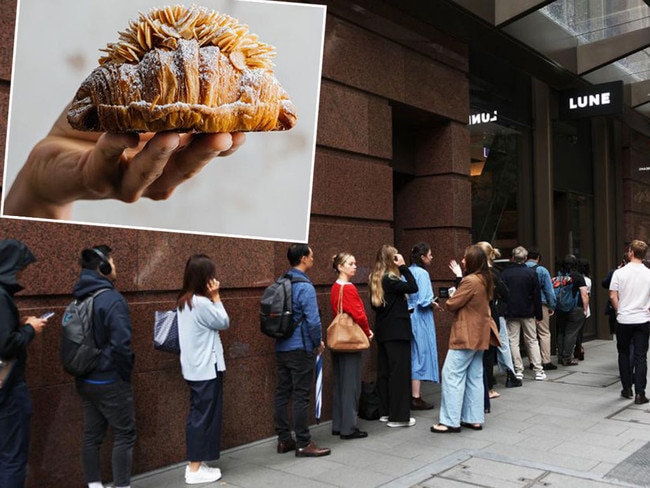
(352, 304)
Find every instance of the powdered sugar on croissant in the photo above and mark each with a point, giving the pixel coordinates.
(184, 69)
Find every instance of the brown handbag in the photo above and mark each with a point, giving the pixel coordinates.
(344, 334)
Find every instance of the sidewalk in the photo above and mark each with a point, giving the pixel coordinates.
(572, 430)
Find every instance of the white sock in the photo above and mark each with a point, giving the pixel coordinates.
(95, 484)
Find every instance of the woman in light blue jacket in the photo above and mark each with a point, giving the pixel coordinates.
(201, 316)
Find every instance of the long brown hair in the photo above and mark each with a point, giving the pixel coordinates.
(199, 270)
(477, 262)
(384, 264)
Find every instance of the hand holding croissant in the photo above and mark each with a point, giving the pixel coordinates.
(69, 165)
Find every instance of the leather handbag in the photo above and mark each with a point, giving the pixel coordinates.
(344, 334)
(165, 332)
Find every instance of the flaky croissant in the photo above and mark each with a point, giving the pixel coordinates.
(183, 69)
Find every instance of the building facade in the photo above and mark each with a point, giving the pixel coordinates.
(398, 160)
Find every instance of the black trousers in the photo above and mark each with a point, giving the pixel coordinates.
(204, 420)
(15, 414)
(633, 370)
(394, 380)
(295, 374)
(108, 405)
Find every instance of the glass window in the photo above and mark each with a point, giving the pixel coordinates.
(495, 181)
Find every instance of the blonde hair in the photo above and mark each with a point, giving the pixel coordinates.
(384, 264)
(489, 251)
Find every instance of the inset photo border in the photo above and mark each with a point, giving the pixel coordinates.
(262, 191)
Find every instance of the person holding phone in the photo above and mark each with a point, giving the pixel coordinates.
(424, 347)
(15, 336)
(201, 315)
(393, 335)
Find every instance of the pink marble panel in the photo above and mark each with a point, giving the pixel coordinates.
(354, 121)
(4, 110)
(240, 262)
(434, 201)
(443, 149)
(362, 240)
(347, 185)
(7, 29)
(397, 74)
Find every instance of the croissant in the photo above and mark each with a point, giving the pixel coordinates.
(183, 69)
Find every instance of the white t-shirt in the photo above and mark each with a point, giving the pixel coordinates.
(632, 282)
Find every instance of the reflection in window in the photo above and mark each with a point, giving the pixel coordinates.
(494, 178)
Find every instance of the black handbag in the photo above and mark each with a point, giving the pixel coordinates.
(369, 401)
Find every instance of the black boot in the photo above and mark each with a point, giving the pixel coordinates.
(511, 380)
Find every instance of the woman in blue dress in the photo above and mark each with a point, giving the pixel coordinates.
(424, 348)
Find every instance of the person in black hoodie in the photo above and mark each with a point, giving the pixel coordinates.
(106, 392)
(15, 335)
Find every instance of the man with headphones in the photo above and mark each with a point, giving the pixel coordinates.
(106, 392)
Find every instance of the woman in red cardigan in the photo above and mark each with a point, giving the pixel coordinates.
(346, 366)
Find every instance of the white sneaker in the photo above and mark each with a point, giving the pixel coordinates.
(204, 474)
(410, 423)
(383, 418)
(519, 376)
(540, 376)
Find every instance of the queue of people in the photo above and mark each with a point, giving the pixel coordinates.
(490, 310)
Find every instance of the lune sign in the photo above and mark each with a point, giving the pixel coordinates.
(604, 99)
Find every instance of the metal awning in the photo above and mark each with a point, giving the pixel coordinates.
(598, 40)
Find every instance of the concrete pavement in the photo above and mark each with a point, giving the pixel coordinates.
(572, 430)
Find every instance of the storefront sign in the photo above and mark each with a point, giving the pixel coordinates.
(605, 99)
(483, 118)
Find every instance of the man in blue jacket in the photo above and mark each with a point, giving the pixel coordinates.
(15, 336)
(295, 357)
(548, 307)
(106, 392)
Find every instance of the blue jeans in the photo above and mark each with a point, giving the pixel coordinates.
(504, 357)
(462, 388)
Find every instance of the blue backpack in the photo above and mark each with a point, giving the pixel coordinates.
(563, 289)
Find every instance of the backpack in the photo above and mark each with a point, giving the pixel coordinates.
(79, 353)
(563, 289)
(276, 310)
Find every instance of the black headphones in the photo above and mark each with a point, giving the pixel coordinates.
(105, 266)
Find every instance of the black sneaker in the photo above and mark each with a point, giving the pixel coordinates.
(549, 366)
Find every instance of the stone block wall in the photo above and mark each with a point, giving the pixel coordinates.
(353, 208)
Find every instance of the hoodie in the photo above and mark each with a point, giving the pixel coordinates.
(14, 337)
(111, 328)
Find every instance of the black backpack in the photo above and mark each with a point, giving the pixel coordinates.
(79, 353)
(276, 310)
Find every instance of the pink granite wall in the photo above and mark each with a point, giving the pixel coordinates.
(353, 208)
